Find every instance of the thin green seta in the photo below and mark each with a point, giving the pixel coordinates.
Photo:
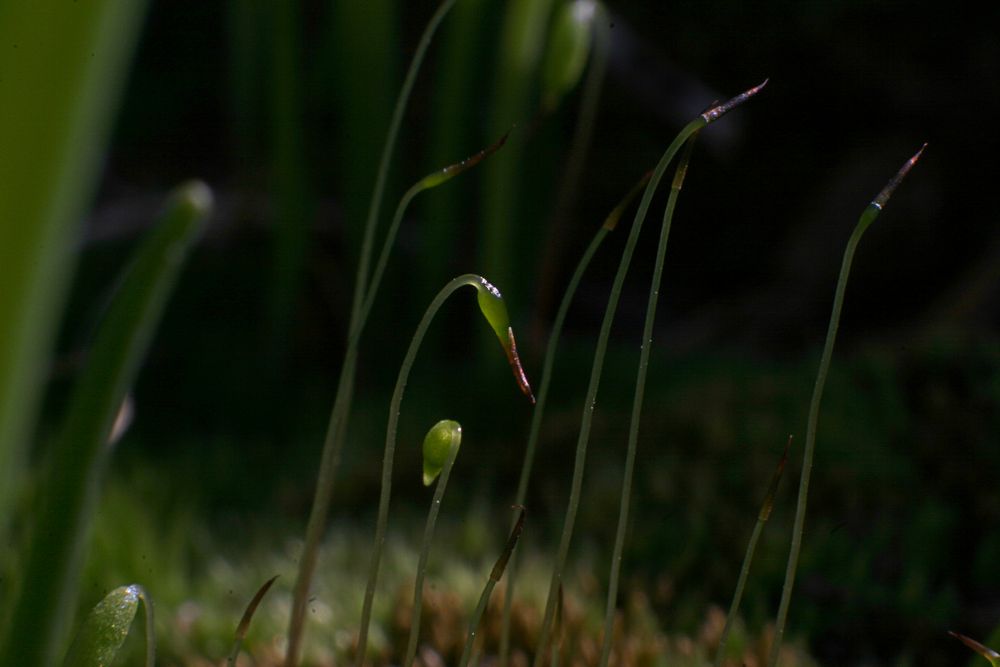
(867, 218)
(599, 354)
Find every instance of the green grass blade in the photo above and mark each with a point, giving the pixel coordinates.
(637, 400)
(107, 626)
(80, 454)
(73, 58)
(867, 218)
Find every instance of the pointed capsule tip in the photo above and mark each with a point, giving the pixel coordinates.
(717, 112)
(883, 197)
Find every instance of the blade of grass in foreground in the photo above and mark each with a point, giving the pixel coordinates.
(543, 391)
(81, 453)
(762, 516)
(602, 344)
(867, 218)
(637, 399)
(107, 626)
(484, 598)
(73, 58)
(492, 307)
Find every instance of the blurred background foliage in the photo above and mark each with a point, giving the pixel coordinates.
(283, 106)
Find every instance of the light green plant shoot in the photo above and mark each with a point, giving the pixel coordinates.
(492, 306)
(440, 450)
(762, 516)
(241, 629)
(107, 626)
(867, 218)
(72, 481)
(637, 399)
(484, 597)
(543, 391)
(597, 367)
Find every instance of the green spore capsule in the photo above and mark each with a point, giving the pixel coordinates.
(440, 440)
(494, 309)
(106, 628)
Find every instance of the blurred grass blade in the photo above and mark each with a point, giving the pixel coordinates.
(867, 218)
(107, 626)
(241, 629)
(522, 41)
(72, 57)
(80, 454)
(984, 651)
(289, 182)
(495, 574)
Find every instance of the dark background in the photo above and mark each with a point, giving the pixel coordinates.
(902, 541)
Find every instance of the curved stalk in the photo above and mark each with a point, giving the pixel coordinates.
(492, 306)
(867, 218)
(637, 399)
(602, 345)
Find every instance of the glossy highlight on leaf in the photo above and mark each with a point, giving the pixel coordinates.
(438, 444)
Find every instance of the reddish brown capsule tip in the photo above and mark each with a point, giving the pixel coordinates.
(715, 113)
(515, 365)
(984, 651)
(890, 187)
